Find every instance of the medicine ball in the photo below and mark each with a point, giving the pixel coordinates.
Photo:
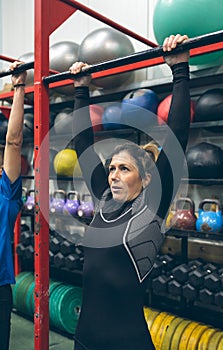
(205, 161)
(25, 166)
(139, 108)
(105, 44)
(164, 107)
(209, 106)
(111, 118)
(96, 112)
(65, 162)
(144, 98)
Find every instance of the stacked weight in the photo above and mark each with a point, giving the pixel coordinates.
(170, 332)
(64, 301)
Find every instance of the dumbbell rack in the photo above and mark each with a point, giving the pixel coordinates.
(49, 15)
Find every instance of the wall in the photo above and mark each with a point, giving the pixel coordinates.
(17, 25)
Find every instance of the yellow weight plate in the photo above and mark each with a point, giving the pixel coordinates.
(215, 340)
(147, 311)
(178, 333)
(156, 325)
(220, 345)
(205, 339)
(151, 318)
(186, 335)
(162, 331)
(170, 332)
(195, 337)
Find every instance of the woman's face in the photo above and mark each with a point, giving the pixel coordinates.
(124, 179)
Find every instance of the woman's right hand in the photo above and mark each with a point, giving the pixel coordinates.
(171, 43)
(83, 80)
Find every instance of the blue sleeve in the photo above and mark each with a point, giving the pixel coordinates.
(12, 191)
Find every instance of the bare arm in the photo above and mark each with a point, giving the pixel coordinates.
(14, 136)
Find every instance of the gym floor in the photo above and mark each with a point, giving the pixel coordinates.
(22, 336)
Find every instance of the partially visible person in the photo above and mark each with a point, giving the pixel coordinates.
(125, 235)
(10, 200)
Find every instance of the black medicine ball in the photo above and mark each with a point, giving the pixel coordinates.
(209, 106)
(205, 161)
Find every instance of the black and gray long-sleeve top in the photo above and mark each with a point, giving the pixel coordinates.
(121, 244)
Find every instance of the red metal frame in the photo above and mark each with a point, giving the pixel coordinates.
(50, 14)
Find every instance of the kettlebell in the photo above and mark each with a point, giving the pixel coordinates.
(58, 201)
(209, 220)
(24, 195)
(184, 219)
(30, 201)
(72, 203)
(86, 208)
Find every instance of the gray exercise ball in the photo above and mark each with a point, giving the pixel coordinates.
(105, 44)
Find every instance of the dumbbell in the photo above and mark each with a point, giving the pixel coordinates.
(206, 296)
(196, 276)
(68, 247)
(51, 257)
(189, 292)
(218, 299)
(72, 262)
(59, 260)
(160, 283)
(167, 261)
(212, 281)
(29, 252)
(27, 238)
(174, 288)
(55, 243)
(20, 248)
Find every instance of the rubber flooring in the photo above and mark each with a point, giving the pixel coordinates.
(22, 331)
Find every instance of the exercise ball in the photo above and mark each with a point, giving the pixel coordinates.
(190, 17)
(61, 56)
(96, 112)
(209, 106)
(28, 126)
(105, 44)
(164, 107)
(65, 161)
(63, 121)
(26, 58)
(111, 118)
(25, 166)
(205, 161)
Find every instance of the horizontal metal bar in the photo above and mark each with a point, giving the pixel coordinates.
(108, 21)
(195, 42)
(18, 70)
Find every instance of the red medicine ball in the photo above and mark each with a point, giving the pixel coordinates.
(164, 107)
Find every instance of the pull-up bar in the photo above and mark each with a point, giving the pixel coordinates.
(140, 56)
(193, 43)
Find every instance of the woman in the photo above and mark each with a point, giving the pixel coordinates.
(124, 237)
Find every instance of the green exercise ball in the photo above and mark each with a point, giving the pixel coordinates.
(191, 17)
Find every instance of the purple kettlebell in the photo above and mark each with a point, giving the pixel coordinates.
(86, 208)
(58, 201)
(30, 201)
(72, 204)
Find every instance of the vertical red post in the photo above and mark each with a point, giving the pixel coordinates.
(49, 14)
(17, 231)
(41, 156)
